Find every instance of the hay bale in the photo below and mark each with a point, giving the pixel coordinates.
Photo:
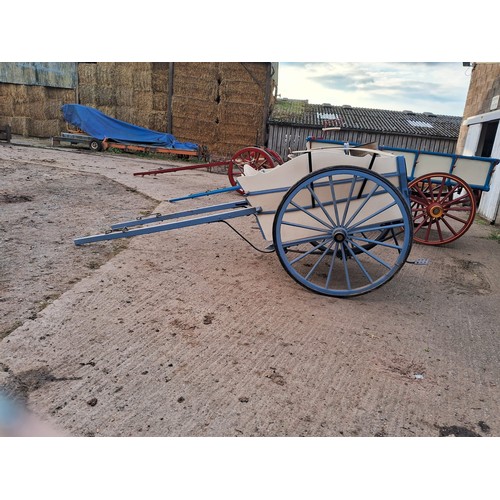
(124, 75)
(196, 70)
(105, 74)
(43, 128)
(108, 110)
(87, 95)
(160, 77)
(142, 80)
(105, 96)
(246, 116)
(4, 89)
(124, 97)
(193, 108)
(160, 101)
(6, 108)
(20, 125)
(124, 113)
(244, 72)
(87, 74)
(158, 121)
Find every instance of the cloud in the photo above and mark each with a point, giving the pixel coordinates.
(431, 86)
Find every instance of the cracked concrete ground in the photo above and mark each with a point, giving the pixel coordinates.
(194, 333)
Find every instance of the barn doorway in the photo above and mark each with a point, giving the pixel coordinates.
(487, 138)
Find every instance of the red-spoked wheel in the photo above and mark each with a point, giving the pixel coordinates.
(257, 158)
(443, 208)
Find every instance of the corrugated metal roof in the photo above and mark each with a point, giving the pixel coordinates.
(301, 113)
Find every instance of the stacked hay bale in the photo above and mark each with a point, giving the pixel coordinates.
(33, 110)
(220, 105)
(242, 104)
(195, 114)
(132, 92)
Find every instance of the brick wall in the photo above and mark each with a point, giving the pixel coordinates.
(484, 85)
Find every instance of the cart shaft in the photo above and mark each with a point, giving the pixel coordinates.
(125, 233)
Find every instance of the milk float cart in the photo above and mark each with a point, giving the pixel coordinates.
(444, 189)
(338, 219)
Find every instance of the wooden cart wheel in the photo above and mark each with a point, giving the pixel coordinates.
(443, 208)
(276, 157)
(361, 228)
(257, 158)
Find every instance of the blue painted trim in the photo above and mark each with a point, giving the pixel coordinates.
(206, 193)
(403, 179)
(268, 191)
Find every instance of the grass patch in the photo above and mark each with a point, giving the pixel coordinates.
(495, 235)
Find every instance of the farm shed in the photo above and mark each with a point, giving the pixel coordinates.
(479, 134)
(292, 121)
(222, 105)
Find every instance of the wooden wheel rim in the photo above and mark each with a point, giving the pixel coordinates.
(443, 208)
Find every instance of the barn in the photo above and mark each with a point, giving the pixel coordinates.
(224, 106)
(292, 121)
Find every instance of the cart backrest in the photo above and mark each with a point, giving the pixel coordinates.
(476, 171)
(266, 188)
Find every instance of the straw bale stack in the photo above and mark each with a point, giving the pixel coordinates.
(160, 77)
(32, 109)
(217, 104)
(87, 73)
(195, 114)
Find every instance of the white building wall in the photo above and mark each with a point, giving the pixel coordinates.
(490, 200)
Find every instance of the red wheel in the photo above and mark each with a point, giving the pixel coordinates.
(257, 158)
(443, 208)
(276, 157)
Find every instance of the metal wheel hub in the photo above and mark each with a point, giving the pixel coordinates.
(339, 234)
(435, 210)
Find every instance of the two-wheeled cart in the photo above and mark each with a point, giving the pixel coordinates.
(340, 223)
(444, 189)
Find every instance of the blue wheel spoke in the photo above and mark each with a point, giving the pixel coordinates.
(312, 250)
(332, 263)
(309, 274)
(375, 227)
(377, 242)
(378, 259)
(371, 216)
(315, 196)
(302, 209)
(349, 198)
(303, 226)
(334, 198)
(346, 269)
(310, 239)
(365, 201)
(363, 270)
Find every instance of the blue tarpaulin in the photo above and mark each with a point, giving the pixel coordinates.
(100, 126)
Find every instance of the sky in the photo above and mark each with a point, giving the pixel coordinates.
(437, 87)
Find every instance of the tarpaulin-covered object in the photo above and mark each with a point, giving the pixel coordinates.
(100, 126)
